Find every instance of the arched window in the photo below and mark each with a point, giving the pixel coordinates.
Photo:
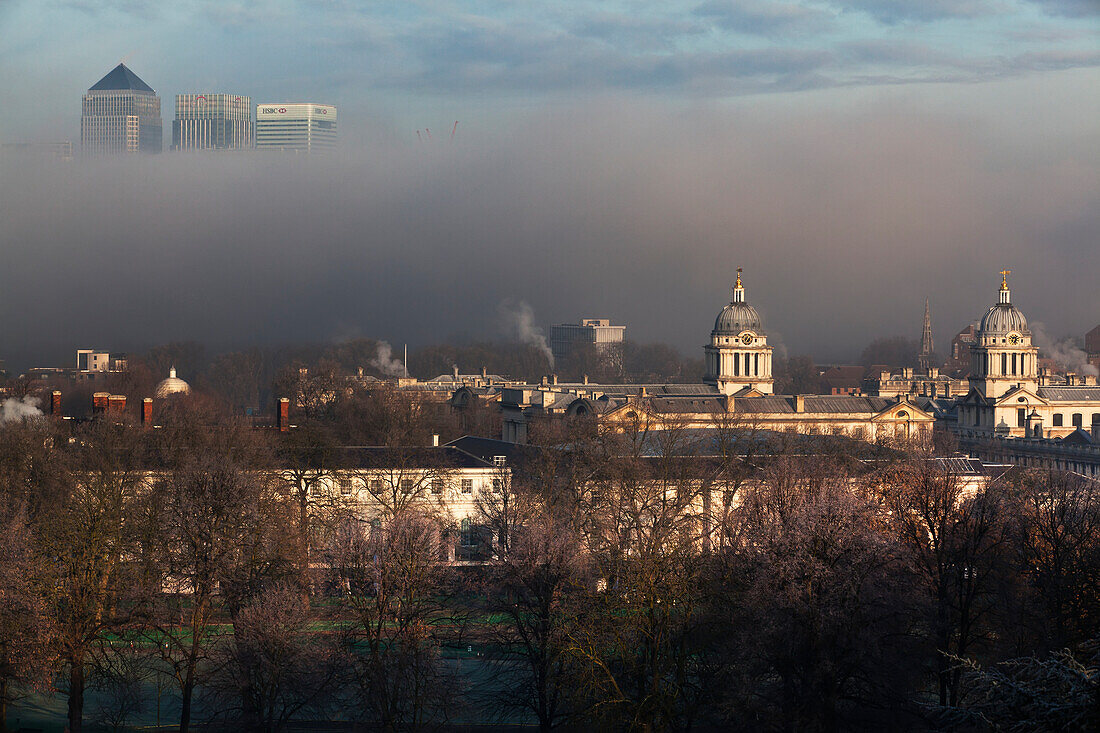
(1077, 419)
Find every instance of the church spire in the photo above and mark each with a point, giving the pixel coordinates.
(925, 358)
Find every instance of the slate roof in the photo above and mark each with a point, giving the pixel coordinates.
(121, 78)
(421, 457)
(1070, 394)
(815, 404)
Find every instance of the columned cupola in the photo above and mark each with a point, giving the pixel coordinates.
(1002, 356)
(738, 355)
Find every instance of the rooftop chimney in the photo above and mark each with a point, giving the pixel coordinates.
(99, 402)
(799, 403)
(282, 417)
(55, 404)
(435, 440)
(729, 403)
(116, 405)
(455, 368)
(147, 412)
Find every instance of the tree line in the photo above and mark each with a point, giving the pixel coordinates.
(621, 583)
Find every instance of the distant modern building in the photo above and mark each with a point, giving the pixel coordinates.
(1092, 342)
(121, 114)
(300, 127)
(567, 336)
(212, 122)
(62, 150)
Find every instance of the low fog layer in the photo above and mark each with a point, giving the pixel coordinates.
(844, 223)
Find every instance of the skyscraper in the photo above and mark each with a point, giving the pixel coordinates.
(212, 122)
(121, 114)
(303, 127)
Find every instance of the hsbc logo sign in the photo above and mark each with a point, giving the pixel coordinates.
(273, 110)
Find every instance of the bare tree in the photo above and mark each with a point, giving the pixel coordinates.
(1059, 543)
(393, 578)
(275, 669)
(87, 537)
(26, 653)
(958, 541)
(810, 605)
(216, 523)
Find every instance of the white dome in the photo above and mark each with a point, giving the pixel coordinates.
(1003, 318)
(173, 385)
(738, 316)
(735, 318)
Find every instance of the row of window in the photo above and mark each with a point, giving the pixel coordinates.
(1077, 419)
(410, 486)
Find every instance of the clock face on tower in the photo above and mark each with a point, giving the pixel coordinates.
(746, 339)
(1014, 339)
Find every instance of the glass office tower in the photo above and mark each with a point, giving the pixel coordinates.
(120, 114)
(301, 127)
(212, 122)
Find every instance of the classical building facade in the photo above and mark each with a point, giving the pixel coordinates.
(738, 358)
(736, 393)
(1005, 397)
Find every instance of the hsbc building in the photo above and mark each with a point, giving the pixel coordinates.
(301, 127)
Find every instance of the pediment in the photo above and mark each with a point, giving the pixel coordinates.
(1012, 397)
(903, 411)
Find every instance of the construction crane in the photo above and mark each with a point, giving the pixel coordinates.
(453, 131)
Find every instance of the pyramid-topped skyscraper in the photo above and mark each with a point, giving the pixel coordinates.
(121, 114)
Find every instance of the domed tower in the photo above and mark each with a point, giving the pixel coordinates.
(173, 385)
(738, 354)
(1002, 356)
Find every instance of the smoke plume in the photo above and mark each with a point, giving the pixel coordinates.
(519, 320)
(1064, 351)
(385, 362)
(18, 410)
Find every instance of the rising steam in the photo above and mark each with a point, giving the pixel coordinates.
(1064, 351)
(18, 410)
(385, 362)
(519, 322)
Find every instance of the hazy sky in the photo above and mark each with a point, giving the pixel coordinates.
(612, 159)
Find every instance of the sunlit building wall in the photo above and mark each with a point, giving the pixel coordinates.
(212, 122)
(300, 127)
(120, 114)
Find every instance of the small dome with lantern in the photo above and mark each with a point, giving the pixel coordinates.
(738, 316)
(171, 386)
(1003, 318)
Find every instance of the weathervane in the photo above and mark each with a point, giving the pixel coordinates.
(1004, 279)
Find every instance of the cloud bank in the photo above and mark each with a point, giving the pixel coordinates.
(843, 220)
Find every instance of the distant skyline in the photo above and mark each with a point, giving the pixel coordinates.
(403, 66)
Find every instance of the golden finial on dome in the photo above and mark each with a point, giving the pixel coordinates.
(1004, 279)
(738, 278)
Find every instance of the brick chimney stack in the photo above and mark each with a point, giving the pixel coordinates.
(282, 418)
(116, 405)
(99, 402)
(147, 412)
(55, 404)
